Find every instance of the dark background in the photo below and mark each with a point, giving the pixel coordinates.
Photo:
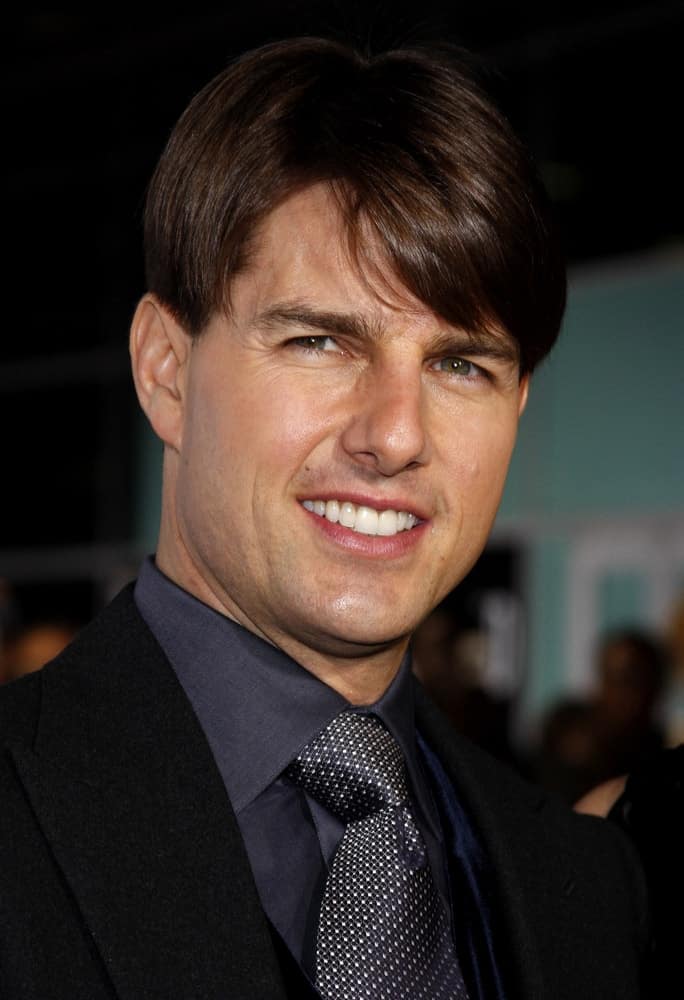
(87, 104)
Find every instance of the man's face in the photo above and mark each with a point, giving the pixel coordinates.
(343, 450)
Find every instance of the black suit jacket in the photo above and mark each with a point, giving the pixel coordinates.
(123, 873)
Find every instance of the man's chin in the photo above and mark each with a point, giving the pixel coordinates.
(353, 624)
(359, 647)
(357, 639)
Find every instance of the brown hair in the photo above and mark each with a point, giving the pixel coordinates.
(411, 146)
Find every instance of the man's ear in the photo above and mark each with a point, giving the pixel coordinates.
(160, 349)
(523, 389)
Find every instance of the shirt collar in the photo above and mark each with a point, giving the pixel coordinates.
(257, 706)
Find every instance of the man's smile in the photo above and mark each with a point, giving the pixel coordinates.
(361, 518)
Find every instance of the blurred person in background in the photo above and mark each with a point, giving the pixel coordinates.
(648, 805)
(450, 660)
(29, 647)
(229, 785)
(32, 630)
(646, 801)
(673, 694)
(585, 742)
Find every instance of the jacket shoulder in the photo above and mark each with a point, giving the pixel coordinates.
(19, 708)
(118, 625)
(523, 822)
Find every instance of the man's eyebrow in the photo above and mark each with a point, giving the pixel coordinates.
(483, 344)
(322, 320)
(480, 343)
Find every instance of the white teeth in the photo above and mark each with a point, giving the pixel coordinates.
(348, 515)
(365, 520)
(387, 522)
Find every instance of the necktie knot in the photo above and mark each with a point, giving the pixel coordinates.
(382, 929)
(353, 767)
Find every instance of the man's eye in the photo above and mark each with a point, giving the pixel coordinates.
(458, 366)
(315, 343)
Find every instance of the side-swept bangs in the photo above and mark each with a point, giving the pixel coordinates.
(414, 151)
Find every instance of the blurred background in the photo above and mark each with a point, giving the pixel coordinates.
(587, 555)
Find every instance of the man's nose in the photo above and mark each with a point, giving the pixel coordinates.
(387, 431)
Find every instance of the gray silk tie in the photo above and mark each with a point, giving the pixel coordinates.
(382, 932)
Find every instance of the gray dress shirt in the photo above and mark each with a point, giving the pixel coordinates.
(258, 708)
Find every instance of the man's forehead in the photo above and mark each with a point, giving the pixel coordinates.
(302, 251)
(308, 230)
(303, 267)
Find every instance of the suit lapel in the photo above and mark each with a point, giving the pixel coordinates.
(127, 793)
(505, 817)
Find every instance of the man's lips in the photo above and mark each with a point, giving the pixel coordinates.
(364, 516)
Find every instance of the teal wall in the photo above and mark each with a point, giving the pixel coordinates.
(148, 486)
(601, 436)
(603, 427)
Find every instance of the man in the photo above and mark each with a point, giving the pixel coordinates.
(351, 277)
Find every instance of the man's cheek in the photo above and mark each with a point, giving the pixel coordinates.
(466, 469)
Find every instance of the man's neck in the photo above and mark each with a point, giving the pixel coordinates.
(359, 673)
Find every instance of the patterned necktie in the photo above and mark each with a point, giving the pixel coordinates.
(382, 932)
